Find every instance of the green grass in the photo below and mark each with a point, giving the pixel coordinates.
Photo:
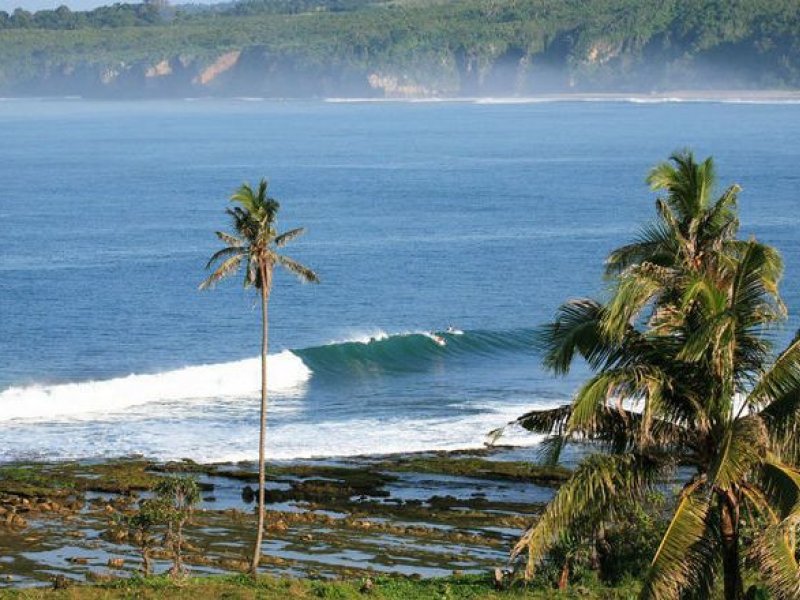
(269, 588)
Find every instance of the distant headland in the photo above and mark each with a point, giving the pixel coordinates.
(404, 49)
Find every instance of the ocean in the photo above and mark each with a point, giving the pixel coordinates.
(481, 216)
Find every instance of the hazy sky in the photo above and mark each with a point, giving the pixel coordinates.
(33, 5)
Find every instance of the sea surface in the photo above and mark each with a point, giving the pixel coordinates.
(482, 216)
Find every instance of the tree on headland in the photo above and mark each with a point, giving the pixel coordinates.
(684, 374)
(255, 244)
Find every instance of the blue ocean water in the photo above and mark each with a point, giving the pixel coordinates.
(483, 216)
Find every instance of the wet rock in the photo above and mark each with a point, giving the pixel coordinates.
(99, 577)
(200, 559)
(248, 494)
(501, 577)
(18, 521)
(367, 586)
(117, 535)
(234, 564)
(279, 525)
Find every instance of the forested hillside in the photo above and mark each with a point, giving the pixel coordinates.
(290, 48)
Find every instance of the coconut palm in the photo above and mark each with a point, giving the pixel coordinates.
(254, 244)
(684, 374)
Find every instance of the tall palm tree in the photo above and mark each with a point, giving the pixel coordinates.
(255, 242)
(684, 374)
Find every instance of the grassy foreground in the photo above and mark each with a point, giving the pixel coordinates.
(269, 588)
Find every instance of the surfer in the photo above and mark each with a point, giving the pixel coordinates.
(438, 339)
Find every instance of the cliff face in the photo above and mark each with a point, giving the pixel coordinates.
(559, 65)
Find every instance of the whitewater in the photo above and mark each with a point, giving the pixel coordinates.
(187, 395)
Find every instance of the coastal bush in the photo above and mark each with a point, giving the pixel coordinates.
(142, 527)
(610, 552)
(166, 513)
(177, 496)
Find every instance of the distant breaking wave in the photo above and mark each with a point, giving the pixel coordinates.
(289, 372)
(407, 352)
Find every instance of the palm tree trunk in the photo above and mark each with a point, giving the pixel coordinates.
(263, 427)
(146, 568)
(729, 525)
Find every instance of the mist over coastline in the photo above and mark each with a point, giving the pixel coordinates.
(402, 49)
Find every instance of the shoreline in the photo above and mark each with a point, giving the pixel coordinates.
(423, 514)
(744, 96)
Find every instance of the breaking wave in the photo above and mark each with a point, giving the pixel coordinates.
(289, 372)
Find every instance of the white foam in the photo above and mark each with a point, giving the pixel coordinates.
(362, 337)
(287, 375)
(229, 432)
(369, 436)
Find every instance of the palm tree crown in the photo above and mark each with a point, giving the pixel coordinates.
(255, 242)
(683, 374)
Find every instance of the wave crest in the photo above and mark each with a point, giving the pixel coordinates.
(380, 352)
(231, 379)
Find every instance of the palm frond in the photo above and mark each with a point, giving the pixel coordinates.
(779, 387)
(673, 566)
(246, 197)
(228, 267)
(232, 240)
(655, 244)
(550, 449)
(224, 253)
(687, 183)
(780, 484)
(743, 447)
(774, 551)
(637, 287)
(288, 236)
(547, 421)
(304, 273)
(576, 328)
(595, 485)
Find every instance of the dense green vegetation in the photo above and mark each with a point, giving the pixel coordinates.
(332, 47)
(685, 374)
(117, 15)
